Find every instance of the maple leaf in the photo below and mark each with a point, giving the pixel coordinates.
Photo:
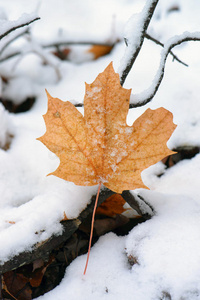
(16, 284)
(100, 147)
(100, 50)
(112, 206)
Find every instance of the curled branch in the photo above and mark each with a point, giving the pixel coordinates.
(149, 37)
(147, 95)
(143, 98)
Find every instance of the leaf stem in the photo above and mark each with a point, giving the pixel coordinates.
(92, 228)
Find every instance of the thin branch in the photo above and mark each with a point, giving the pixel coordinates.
(149, 37)
(79, 105)
(13, 54)
(145, 19)
(19, 25)
(135, 202)
(58, 44)
(48, 58)
(130, 199)
(54, 45)
(12, 38)
(147, 205)
(71, 43)
(147, 96)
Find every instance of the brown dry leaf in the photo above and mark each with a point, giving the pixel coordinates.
(37, 264)
(112, 206)
(65, 218)
(100, 50)
(62, 54)
(37, 276)
(16, 284)
(100, 147)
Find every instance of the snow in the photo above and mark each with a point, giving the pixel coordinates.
(166, 248)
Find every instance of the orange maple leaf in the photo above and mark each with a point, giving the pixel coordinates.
(100, 147)
(112, 206)
(100, 50)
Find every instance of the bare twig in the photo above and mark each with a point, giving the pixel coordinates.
(149, 37)
(146, 16)
(48, 58)
(18, 24)
(13, 54)
(147, 96)
(71, 43)
(53, 45)
(11, 39)
(79, 105)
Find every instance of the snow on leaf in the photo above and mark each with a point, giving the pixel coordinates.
(85, 145)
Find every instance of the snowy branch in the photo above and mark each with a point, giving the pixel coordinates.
(146, 96)
(42, 250)
(47, 58)
(57, 44)
(10, 55)
(138, 25)
(9, 26)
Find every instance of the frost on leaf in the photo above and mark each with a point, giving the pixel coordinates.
(100, 147)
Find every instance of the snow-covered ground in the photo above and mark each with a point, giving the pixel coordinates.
(167, 247)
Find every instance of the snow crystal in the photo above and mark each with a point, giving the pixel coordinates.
(114, 168)
(132, 143)
(119, 158)
(93, 91)
(129, 130)
(113, 153)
